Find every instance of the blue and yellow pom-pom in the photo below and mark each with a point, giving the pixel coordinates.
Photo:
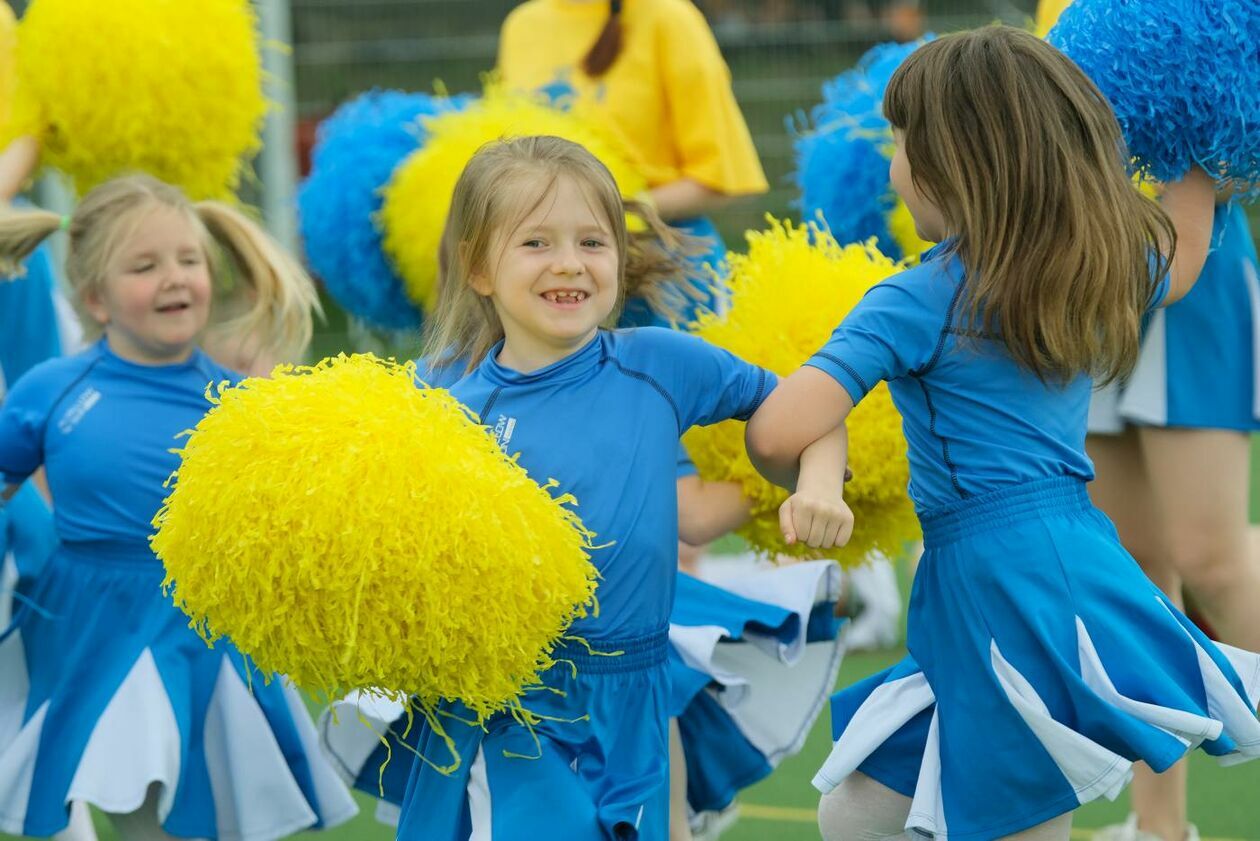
(795, 284)
(418, 198)
(842, 157)
(351, 530)
(1183, 77)
(167, 87)
(356, 152)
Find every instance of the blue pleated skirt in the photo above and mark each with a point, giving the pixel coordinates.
(754, 655)
(1043, 664)
(1200, 361)
(104, 691)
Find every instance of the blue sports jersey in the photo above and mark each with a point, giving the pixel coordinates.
(444, 376)
(605, 423)
(104, 429)
(974, 420)
(28, 319)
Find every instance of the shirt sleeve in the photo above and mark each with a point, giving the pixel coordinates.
(889, 334)
(704, 383)
(711, 136)
(23, 416)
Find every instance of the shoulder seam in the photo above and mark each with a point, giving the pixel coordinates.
(945, 331)
(647, 378)
(70, 387)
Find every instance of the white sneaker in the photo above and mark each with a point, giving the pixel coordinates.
(1128, 831)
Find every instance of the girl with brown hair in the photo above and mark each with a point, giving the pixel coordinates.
(1043, 663)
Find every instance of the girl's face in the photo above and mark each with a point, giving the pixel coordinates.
(555, 278)
(155, 297)
(929, 223)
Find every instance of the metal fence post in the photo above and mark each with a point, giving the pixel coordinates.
(277, 163)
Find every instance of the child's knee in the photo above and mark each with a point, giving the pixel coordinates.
(861, 809)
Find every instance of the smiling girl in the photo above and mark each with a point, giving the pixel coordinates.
(535, 253)
(106, 695)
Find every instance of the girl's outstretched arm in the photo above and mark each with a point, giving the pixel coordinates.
(1190, 204)
(816, 513)
(17, 162)
(803, 408)
(797, 439)
(709, 510)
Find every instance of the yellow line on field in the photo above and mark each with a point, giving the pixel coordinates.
(798, 815)
(777, 813)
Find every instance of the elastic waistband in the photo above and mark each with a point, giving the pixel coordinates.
(1025, 501)
(615, 656)
(110, 553)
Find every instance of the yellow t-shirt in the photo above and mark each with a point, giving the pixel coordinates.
(668, 94)
(1048, 12)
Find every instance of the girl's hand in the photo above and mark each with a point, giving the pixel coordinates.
(821, 520)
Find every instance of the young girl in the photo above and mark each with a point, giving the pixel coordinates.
(1043, 662)
(106, 695)
(535, 251)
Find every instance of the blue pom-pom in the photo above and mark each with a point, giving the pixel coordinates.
(356, 151)
(842, 153)
(1183, 77)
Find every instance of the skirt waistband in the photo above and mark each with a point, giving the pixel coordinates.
(1025, 501)
(614, 656)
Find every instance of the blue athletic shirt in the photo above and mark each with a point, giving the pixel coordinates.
(444, 376)
(28, 319)
(104, 429)
(605, 422)
(974, 420)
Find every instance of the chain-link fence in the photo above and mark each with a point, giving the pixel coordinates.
(779, 51)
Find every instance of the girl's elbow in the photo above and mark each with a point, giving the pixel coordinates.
(766, 449)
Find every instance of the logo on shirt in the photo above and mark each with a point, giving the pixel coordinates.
(80, 407)
(503, 429)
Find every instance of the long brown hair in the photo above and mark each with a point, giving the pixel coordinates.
(264, 298)
(607, 45)
(501, 185)
(1024, 158)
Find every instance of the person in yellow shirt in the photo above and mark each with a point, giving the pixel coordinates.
(651, 73)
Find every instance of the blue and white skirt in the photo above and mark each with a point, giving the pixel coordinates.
(27, 540)
(1042, 662)
(753, 658)
(594, 766)
(104, 691)
(1200, 361)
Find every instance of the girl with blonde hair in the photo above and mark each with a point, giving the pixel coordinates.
(106, 695)
(534, 259)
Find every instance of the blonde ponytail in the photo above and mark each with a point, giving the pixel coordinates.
(270, 315)
(21, 232)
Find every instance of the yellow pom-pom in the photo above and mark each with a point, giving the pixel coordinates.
(353, 531)
(788, 293)
(418, 198)
(8, 66)
(901, 226)
(168, 87)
